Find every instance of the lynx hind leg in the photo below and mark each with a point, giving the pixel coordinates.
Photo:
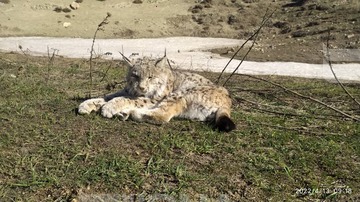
(169, 108)
(90, 105)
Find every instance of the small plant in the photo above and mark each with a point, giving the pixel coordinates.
(92, 52)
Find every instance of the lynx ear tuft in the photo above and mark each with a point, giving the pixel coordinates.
(127, 60)
(162, 63)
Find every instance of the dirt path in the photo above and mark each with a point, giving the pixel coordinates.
(184, 52)
(296, 32)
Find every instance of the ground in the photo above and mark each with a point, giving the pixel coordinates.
(287, 146)
(294, 33)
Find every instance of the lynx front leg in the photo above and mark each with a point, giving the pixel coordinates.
(123, 107)
(95, 104)
(90, 105)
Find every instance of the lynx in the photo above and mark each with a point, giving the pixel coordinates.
(156, 93)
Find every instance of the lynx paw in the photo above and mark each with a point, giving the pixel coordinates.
(88, 106)
(110, 110)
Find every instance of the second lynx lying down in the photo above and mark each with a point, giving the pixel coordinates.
(155, 93)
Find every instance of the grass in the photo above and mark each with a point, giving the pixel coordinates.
(285, 148)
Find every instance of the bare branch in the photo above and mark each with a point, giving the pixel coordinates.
(253, 36)
(125, 58)
(301, 129)
(260, 107)
(333, 72)
(51, 61)
(303, 96)
(99, 27)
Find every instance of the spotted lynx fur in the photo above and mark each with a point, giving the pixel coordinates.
(156, 93)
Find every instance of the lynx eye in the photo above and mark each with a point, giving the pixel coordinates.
(150, 77)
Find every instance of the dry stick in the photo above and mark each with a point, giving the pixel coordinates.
(241, 47)
(232, 57)
(257, 107)
(333, 72)
(99, 27)
(105, 74)
(22, 50)
(302, 96)
(297, 129)
(264, 20)
(124, 57)
(51, 61)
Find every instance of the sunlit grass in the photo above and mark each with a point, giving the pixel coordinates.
(284, 148)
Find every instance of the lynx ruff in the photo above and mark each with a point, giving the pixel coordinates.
(156, 93)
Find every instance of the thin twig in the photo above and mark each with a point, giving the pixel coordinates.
(302, 96)
(333, 72)
(105, 74)
(99, 27)
(124, 57)
(22, 50)
(256, 106)
(51, 61)
(264, 21)
(255, 34)
(302, 129)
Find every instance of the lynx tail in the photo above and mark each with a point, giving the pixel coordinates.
(223, 122)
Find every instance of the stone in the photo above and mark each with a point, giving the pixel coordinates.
(74, 5)
(66, 24)
(349, 36)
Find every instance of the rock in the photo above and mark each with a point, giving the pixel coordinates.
(349, 36)
(299, 33)
(312, 23)
(66, 10)
(196, 8)
(280, 24)
(74, 5)
(58, 9)
(66, 24)
(284, 26)
(322, 7)
(232, 19)
(137, 1)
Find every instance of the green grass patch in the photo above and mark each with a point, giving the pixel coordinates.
(284, 147)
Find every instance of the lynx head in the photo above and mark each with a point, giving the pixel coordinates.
(148, 77)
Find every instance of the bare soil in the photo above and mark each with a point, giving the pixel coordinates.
(296, 32)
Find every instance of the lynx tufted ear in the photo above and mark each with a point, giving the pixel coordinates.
(127, 60)
(163, 63)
